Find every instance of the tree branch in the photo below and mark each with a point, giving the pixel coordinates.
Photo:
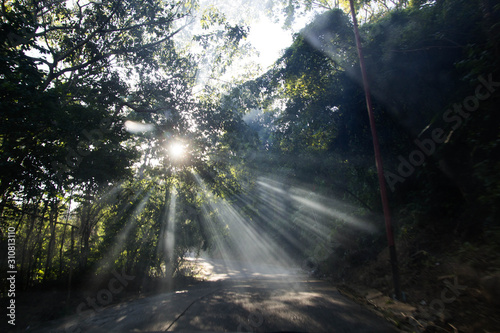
(90, 36)
(54, 75)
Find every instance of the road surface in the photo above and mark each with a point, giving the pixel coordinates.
(235, 298)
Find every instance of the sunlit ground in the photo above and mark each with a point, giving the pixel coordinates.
(208, 269)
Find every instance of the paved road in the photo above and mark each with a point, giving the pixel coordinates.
(262, 298)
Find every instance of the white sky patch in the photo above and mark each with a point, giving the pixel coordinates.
(269, 39)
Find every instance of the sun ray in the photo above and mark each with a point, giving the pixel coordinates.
(108, 260)
(170, 233)
(245, 244)
(122, 236)
(320, 204)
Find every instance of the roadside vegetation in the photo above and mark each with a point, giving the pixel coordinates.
(112, 159)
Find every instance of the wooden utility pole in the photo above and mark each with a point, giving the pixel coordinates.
(378, 160)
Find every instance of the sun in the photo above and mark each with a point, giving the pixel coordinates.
(176, 150)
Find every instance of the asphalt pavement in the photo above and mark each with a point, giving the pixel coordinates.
(236, 297)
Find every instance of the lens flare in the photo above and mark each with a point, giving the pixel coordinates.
(135, 127)
(177, 150)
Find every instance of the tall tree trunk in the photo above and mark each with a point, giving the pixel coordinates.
(378, 158)
(84, 238)
(71, 251)
(61, 257)
(37, 248)
(3, 198)
(61, 248)
(26, 253)
(86, 227)
(54, 213)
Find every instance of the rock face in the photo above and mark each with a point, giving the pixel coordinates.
(490, 286)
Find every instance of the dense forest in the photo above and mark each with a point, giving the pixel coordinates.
(114, 157)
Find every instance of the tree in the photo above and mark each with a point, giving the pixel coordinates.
(370, 9)
(63, 98)
(74, 74)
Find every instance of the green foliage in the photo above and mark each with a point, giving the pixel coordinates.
(313, 123)
(85, 192)
(371, 9)
(71, 75)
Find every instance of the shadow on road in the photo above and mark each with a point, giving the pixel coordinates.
(234, 298)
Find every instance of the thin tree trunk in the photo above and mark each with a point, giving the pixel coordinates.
(378, 159)
(61, 248)
(72, 247)
(26, 254)
(38, 244)
(54, 213)
(64, 236)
